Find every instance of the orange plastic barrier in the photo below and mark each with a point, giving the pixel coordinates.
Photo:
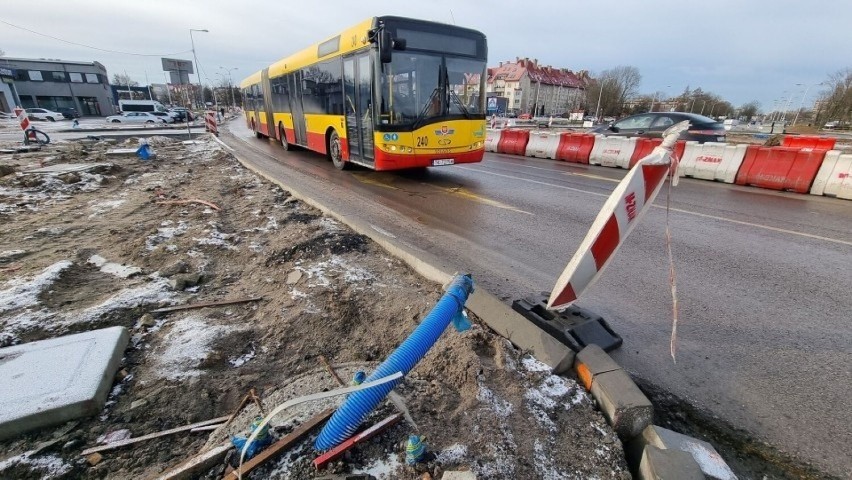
(575, 147)
(644, 147)
(514, 142)
(780, 168)
(804, 141)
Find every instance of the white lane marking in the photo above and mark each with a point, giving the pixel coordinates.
(679, 210)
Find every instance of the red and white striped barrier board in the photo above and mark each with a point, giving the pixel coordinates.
(23, 119)
(210, 122)
(617, 217)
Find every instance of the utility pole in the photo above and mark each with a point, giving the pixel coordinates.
(194, 57)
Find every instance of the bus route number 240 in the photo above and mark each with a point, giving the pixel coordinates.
(422, 141)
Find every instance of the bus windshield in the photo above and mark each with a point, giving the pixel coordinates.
(418, 87)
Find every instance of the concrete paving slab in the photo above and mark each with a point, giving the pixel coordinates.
(68, 168)
(49, 382)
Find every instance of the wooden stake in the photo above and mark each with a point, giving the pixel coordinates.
(130, 441)
(278, 447)
(331, 371)
(206, 304)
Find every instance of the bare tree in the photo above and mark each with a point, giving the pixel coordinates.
(749, 109)
(123, 79)
(613, 87)
(836, 100)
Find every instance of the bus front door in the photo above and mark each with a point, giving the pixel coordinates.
(357, 79)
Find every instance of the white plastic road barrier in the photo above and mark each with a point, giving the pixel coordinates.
(834, 178)
(542, 145)
(619, 214)
(492, 139)
(712, 161)
(612, 151)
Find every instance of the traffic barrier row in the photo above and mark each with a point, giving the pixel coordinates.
(819, 171)
(780, 168)
(805, 141)
(834, 178)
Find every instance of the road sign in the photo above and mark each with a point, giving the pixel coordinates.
(175, 65)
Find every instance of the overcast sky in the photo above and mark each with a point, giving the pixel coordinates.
(741, 50)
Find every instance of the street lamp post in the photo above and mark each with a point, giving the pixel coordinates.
(598, 109)
(230, 85)
(194, 57)
(787, 105)
(654, 99)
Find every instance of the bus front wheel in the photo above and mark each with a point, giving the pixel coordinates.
(336, 153)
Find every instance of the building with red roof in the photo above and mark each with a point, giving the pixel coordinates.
(537, 89)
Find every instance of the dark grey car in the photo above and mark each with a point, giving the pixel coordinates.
(653, 124)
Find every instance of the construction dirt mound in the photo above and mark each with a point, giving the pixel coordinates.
(194, 226)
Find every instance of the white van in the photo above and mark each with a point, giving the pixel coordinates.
(141, 106)
(730, 123)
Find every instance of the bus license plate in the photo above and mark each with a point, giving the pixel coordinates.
(442, 161)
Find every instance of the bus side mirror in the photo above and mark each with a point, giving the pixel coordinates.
(399, 44)
(385, 46)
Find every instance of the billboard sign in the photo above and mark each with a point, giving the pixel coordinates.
(175, 65)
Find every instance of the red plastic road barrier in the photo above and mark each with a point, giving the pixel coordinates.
(23, 119)
(780, 168)
(575, 147)
(514, 142)
(804, 141)
(210, 122)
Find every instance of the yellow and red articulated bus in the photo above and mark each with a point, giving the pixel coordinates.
(389, 93)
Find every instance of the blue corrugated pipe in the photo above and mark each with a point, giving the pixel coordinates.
(349, 416)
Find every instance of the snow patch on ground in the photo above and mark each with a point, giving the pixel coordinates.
(218, 239)
(532, 365)
(381, 468)
(49, 466)
(112, 268)
(165, 233)
(22, 293)
(455, 453)
(336, 267)
(544, 464)
(499, 406)
(242, 359)
(103, 207)
(185, 346)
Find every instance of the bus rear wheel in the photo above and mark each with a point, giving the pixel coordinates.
(284, 144)
(336, 153)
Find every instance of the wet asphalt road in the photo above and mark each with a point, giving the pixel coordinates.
(764, 278)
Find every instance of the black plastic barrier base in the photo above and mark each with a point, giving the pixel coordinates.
(574, 326)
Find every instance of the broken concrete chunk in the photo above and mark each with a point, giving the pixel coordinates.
(147, 321)
(178, 267)
(659, 464)
(69, 178)
(94, 459)
(138, 403)
(711, 463)
(186, 280)
(294, 277)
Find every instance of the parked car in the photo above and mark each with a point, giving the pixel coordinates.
(68, 112)
(524, 116)
(167, 117)
(653, 124)
(832, 124)
(44, 114)
(181, 114)
(135, 117)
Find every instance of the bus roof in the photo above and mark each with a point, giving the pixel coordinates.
(353, 38)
